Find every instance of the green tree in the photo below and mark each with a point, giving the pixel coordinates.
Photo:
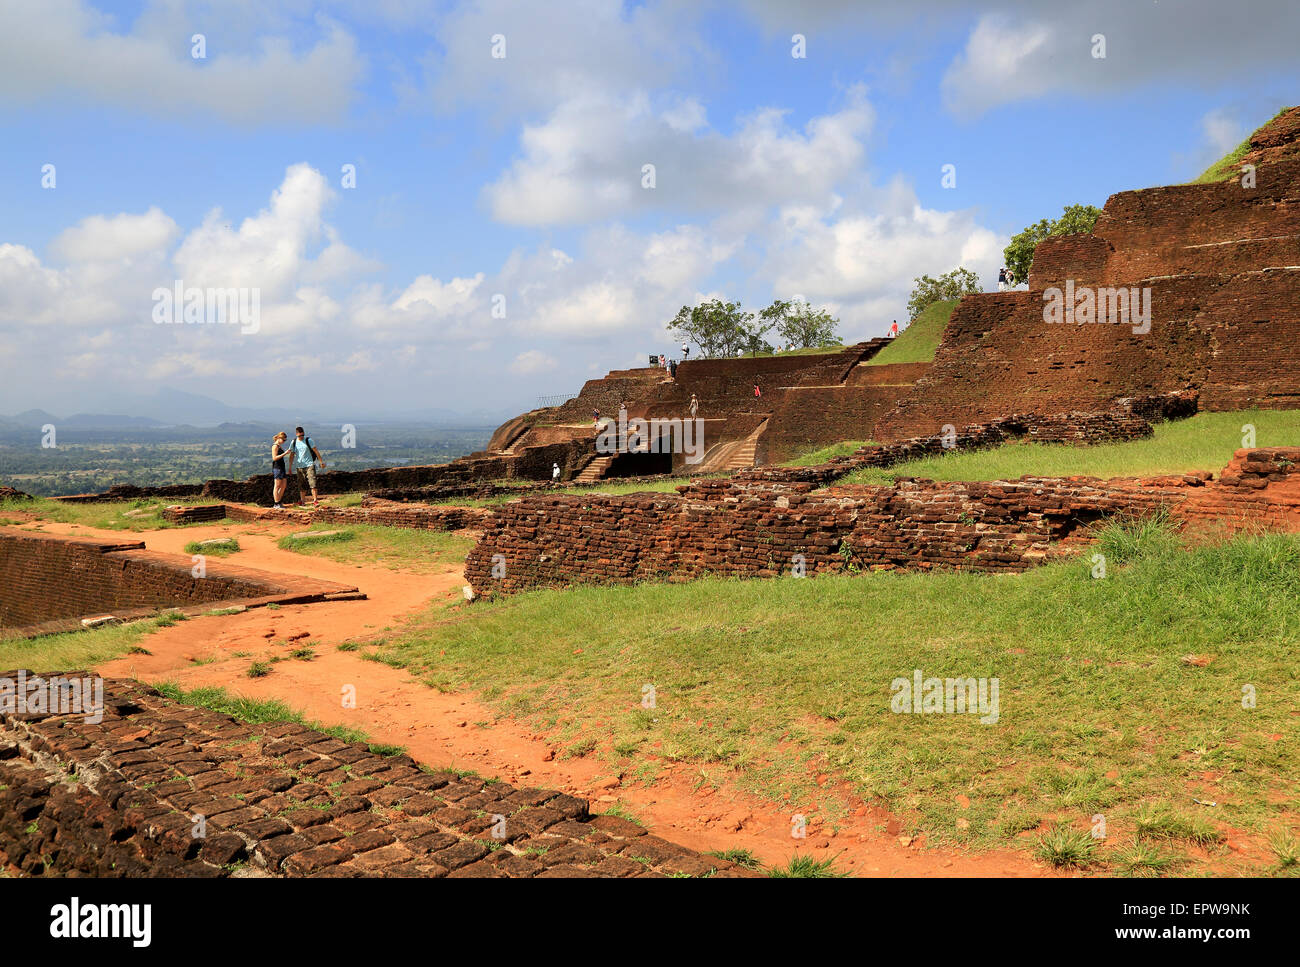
(801, 326)
(1019, 255)
(951, 285)
(718, 328)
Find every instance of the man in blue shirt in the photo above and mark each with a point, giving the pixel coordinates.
(304, 456)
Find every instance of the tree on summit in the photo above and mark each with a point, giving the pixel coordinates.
(1019, 255)
(951, 285)
(801, 326)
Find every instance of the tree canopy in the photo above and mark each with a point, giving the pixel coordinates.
(1019, 255)
(951, 285)
(725, 329)
(800, 326)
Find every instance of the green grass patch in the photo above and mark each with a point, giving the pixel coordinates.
(823, 454)
(806, 868)
(258, 711)
(919, 341)
(1205, 441)
(113, 515)
(216, 547)
(769, 683)
(76, 649)
(395, 548)
(1229, 166)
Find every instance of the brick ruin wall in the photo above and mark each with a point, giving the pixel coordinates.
(49, 583)
(532, 463)
(373, 511)
(119, 799)
(721, 527)
(1223, 265)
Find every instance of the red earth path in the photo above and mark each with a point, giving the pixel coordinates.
(440, 729)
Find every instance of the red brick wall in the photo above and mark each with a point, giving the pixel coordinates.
(755, 530)
(44, 577)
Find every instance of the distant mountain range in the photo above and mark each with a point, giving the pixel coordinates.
(172, 407)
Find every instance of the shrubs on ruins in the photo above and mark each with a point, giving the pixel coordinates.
(951, 285)
(724, 329)
(1019, 255)
(800, 326)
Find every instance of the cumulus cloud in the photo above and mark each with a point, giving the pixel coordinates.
(588, 160)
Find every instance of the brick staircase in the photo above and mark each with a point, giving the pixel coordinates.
(595, 470)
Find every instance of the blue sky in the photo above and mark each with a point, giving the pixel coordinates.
(520, 177)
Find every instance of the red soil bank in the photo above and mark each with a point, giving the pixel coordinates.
(49, 583)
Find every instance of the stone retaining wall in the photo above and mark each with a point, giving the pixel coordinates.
(49, 583)
(723, 527)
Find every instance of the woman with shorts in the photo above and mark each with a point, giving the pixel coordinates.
(279, 476)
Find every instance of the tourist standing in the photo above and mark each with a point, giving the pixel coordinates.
(686, 352)
(758, 393)
(555, 474)
(279, 475)
(695, 405)
(893, 329)
(304, 456)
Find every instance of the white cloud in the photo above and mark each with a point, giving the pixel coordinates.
(100, 239)
(586, 161)
(1019, 50)
(62, 48)
(532, 361)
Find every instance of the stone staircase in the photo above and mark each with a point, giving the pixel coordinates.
(595, 470)
(734, 455)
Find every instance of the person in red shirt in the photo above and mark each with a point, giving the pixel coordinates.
(757, 392)
(893, 330)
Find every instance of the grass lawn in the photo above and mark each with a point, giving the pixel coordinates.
(821, 455)
(75, 650)
(396, 548)
(772, 683)
(114, 515)
(918, 342)
(1205, 441)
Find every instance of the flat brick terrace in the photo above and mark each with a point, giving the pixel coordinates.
(119, 798)
(764, 530)
(373, 510)
(50, 583)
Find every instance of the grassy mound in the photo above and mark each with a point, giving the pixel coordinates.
(918, 342)
(1229, 166)
(1205, 441)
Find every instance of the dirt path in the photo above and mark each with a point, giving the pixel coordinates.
(455, 729)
